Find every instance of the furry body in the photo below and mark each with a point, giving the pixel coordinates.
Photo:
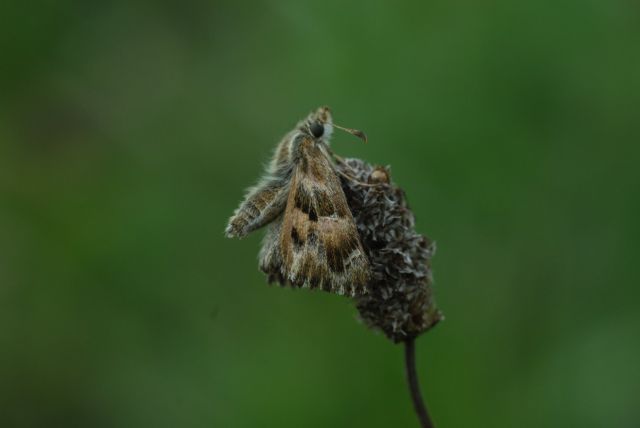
(312, 240)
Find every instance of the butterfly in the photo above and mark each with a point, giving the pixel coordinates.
(312, 240)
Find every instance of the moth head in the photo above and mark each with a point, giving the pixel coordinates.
(319, 126)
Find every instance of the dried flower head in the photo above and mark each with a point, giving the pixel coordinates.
(400, 300)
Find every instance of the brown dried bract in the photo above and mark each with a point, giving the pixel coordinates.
(400, 301)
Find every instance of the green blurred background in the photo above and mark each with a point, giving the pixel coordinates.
(129, 131)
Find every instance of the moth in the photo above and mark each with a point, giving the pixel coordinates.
(312, 240)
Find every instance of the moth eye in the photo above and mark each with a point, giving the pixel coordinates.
(316, 129)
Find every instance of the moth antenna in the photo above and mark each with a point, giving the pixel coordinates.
(352, 131)
(355, 180)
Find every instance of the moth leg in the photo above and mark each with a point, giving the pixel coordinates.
(355, 180)
(343, 162)
(261, 205)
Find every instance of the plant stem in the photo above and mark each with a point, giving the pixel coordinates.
(414, 386)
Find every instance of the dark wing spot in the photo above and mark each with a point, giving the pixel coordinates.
(335, 259)
(312, 214)
(296, 238)
(302, 201)
(314, 281)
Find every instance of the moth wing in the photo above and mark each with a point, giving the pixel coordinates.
(270, 254)
(319, 242)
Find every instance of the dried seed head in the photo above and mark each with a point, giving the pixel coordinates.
(400, 300)
(379, 176)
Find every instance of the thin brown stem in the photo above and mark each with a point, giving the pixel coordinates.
(414, 385)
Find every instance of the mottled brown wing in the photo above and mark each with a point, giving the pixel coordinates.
(318, 239)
